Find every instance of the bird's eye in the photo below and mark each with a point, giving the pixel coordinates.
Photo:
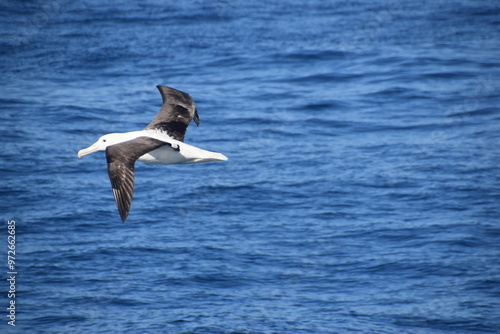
(104, 140)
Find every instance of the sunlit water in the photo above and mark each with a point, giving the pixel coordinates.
(361, 194)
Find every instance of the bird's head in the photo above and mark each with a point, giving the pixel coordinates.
(102, 143)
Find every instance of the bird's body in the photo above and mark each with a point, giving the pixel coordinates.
(173, 152)
(161, 142)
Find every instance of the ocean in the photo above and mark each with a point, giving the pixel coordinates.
(361, 194)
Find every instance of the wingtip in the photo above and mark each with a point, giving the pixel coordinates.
(123, 208)
(123, 216)
(123, 213)
(196, 118)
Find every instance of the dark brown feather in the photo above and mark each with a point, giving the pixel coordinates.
(176, 113)
(121, 159)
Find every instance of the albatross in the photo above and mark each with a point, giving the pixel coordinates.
(161, 142)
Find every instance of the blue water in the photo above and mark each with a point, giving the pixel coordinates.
(361, 194)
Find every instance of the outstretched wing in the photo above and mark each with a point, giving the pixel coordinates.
(177, 111)
(121, 159)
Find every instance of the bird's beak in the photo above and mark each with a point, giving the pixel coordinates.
(88, 150)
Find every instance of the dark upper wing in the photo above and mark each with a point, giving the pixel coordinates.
(121, 159)
(177, 111)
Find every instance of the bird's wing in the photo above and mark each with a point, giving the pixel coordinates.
(177, 111)
(121, 159)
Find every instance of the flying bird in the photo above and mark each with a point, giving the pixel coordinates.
(161, 142)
